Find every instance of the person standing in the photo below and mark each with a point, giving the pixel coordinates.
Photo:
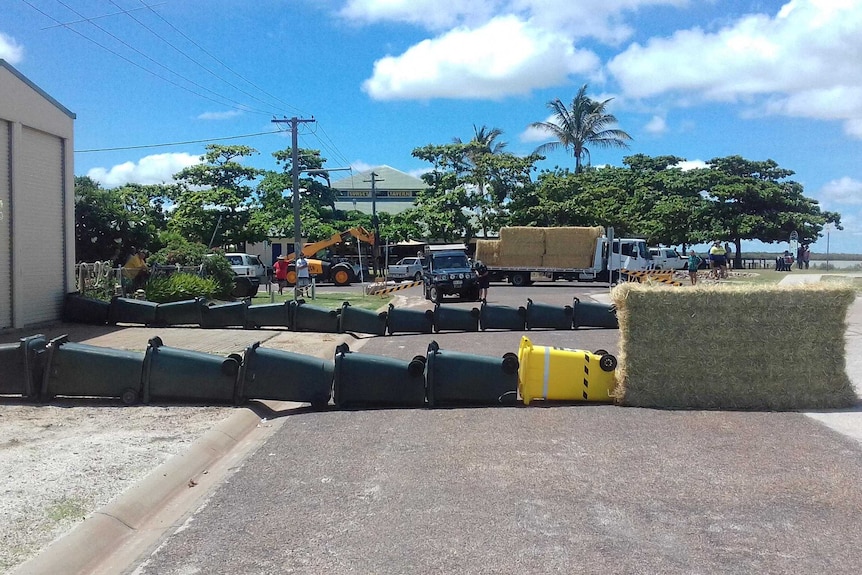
(728, 256)
(806, 255)
(484, 279)
(303, 279)
(135, 269)
(718, 259)
(280, 269)
(694, 262)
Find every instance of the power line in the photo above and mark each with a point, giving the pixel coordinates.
(337, 153)
(176, 143)
(239, 105)
(132, 62)
(189, 58)
(228, 68)
(122, 11)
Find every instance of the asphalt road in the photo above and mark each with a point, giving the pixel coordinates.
(559, 489)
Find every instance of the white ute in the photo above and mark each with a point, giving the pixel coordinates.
(667, 259)
(406, 269)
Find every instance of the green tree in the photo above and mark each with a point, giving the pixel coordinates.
(756, 200)
(110, 224)
(584, 123)
(216, 200)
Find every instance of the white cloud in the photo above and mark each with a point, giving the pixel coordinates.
(600, 19)
(425, 13)
(803, 62)
(657, 125)
(504, 57)
(531, 134)
(220, 115)
(844, 190)
(155, 169)
(360, 166)
(687, 165)
(10, 50)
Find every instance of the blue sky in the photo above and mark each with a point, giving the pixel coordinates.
(697, 79)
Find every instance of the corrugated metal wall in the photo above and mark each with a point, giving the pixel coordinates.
(39, 203)
(5, 228)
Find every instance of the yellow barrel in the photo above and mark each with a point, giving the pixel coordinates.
(561, 374)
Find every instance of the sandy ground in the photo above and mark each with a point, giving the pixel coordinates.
(60, 462)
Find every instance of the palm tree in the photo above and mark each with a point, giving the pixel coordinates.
(486, 140)
(585, 122)
(483, 144)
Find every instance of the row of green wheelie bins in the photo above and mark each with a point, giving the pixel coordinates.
(42, 370)
(301, 316)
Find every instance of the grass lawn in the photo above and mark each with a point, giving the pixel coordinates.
(331, 300)
(767, 276)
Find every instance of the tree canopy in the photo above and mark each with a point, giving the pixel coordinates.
(475, 188)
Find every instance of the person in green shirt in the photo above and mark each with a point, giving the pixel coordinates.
(694, 262)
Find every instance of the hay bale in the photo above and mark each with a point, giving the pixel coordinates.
(488, 252)
(522, 241)
(568, 240)
(733, 347)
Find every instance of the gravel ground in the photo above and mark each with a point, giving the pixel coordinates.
(63, 461)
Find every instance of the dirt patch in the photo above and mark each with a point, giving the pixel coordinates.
(61, 462)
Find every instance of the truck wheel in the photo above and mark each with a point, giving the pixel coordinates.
(520, 280)
(434, 294)
(417, 277)
(241, 287)
(291, 277)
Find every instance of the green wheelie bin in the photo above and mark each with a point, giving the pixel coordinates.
(406, 320)
(456, 378)
(185, 312)
(449, 318)
(283, 375)
(541, 315)
(502, 317)
(376, 381)
(22, 364)
(87, 310)
(268, 315)
(307, 317)
(358, 320)
(593, 314)
(172, 374)
(83, 370)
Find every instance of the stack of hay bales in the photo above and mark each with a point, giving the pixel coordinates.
(541, 247)
(522, 246)
(570, 247)
(727, 347)
(488, 252)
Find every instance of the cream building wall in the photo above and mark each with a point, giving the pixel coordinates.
(37, 206)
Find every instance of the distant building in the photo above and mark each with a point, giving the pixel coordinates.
(394, 191)
(37, 202)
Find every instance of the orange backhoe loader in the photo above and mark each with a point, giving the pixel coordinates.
(340, 273)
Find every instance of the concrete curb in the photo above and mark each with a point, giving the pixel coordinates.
(107, 532)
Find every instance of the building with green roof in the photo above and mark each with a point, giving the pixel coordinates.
(393, 191)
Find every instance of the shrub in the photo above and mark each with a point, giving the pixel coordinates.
(182, 253)
(217, 267)
(179, 287)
